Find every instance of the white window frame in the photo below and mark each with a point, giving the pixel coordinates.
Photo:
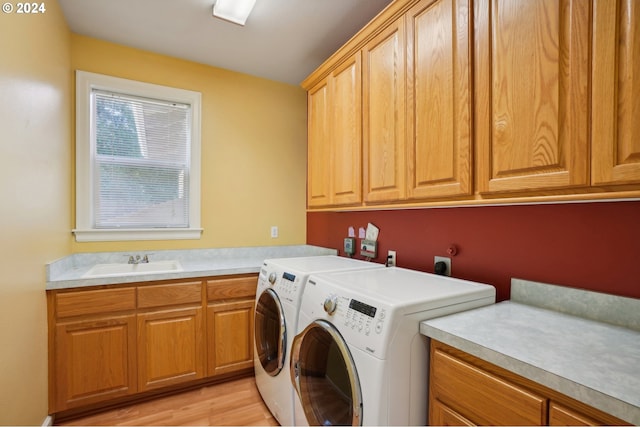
(85, 231)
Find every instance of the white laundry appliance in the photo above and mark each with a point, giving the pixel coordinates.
(278, 294)
(359, 357)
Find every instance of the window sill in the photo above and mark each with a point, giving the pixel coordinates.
(113, 235)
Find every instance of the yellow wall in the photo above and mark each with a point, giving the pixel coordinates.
(35, 211)
(253, 174)
(253, 147)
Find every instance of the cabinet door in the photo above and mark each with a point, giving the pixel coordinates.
(94, 361)
(170, 347)
(616, 92)
(532, 97)
(383, 118)
(230, 336)
(441, 415)
(319, 146)
(346, 132)
(440, 99)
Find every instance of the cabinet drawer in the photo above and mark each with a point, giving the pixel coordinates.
(483, 398)
(171, 294)
(560, 415)
(94, 302)
(232, 288)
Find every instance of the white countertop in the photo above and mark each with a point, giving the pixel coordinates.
(594, 362)
(67, 272)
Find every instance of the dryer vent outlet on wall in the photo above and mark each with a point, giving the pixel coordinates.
(442, 265)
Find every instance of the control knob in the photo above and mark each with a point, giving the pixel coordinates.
(272, 278)
(330, 304)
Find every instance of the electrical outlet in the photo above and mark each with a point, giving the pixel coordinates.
(274, 231)
(391, 259)
(442, 265)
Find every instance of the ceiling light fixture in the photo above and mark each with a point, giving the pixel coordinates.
(236, 11)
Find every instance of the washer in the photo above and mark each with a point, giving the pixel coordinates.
(278, 294)
(359, 357)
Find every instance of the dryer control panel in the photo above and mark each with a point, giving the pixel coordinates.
(287, 285)
(364, 323)
(361, 316)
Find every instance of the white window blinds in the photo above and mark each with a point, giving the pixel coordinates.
(141, 161)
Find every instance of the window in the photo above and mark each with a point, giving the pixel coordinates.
(137, 160)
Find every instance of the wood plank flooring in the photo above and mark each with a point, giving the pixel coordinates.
(233, 403)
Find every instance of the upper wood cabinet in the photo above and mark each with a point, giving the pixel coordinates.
(440, 98)
(335, 137)
(532, 98)
(319, 166)
(383, 115)
(616, 92)
(345, 132)
(463, 102)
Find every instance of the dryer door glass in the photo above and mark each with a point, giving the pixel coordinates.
(325, 377)
(270, 332)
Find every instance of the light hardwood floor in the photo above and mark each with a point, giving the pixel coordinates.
(233, 403)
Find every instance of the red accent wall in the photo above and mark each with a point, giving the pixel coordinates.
(594, 246)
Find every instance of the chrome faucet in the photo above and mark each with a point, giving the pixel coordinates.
(138, 260)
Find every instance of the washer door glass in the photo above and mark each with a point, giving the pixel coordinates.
(270, 332)
(325, 377)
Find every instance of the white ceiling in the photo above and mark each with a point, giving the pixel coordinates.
(283, 40)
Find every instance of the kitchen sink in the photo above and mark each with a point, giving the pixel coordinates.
(156, 267)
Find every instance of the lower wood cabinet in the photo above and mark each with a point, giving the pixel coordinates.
(230, 342)
(94, 360)
(170, 347)
(122, 340)
(465, 390)
(441, 415)
(230, 324)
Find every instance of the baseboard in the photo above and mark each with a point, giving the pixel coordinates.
(48, 421)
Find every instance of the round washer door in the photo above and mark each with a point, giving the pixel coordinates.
(270, 332)
(325, 377)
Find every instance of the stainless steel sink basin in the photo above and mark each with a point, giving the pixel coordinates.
(156, 267)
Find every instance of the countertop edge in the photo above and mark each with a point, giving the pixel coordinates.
(67, 272)
(119, 280)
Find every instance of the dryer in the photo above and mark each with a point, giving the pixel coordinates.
(278, 294)
(359, 357)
